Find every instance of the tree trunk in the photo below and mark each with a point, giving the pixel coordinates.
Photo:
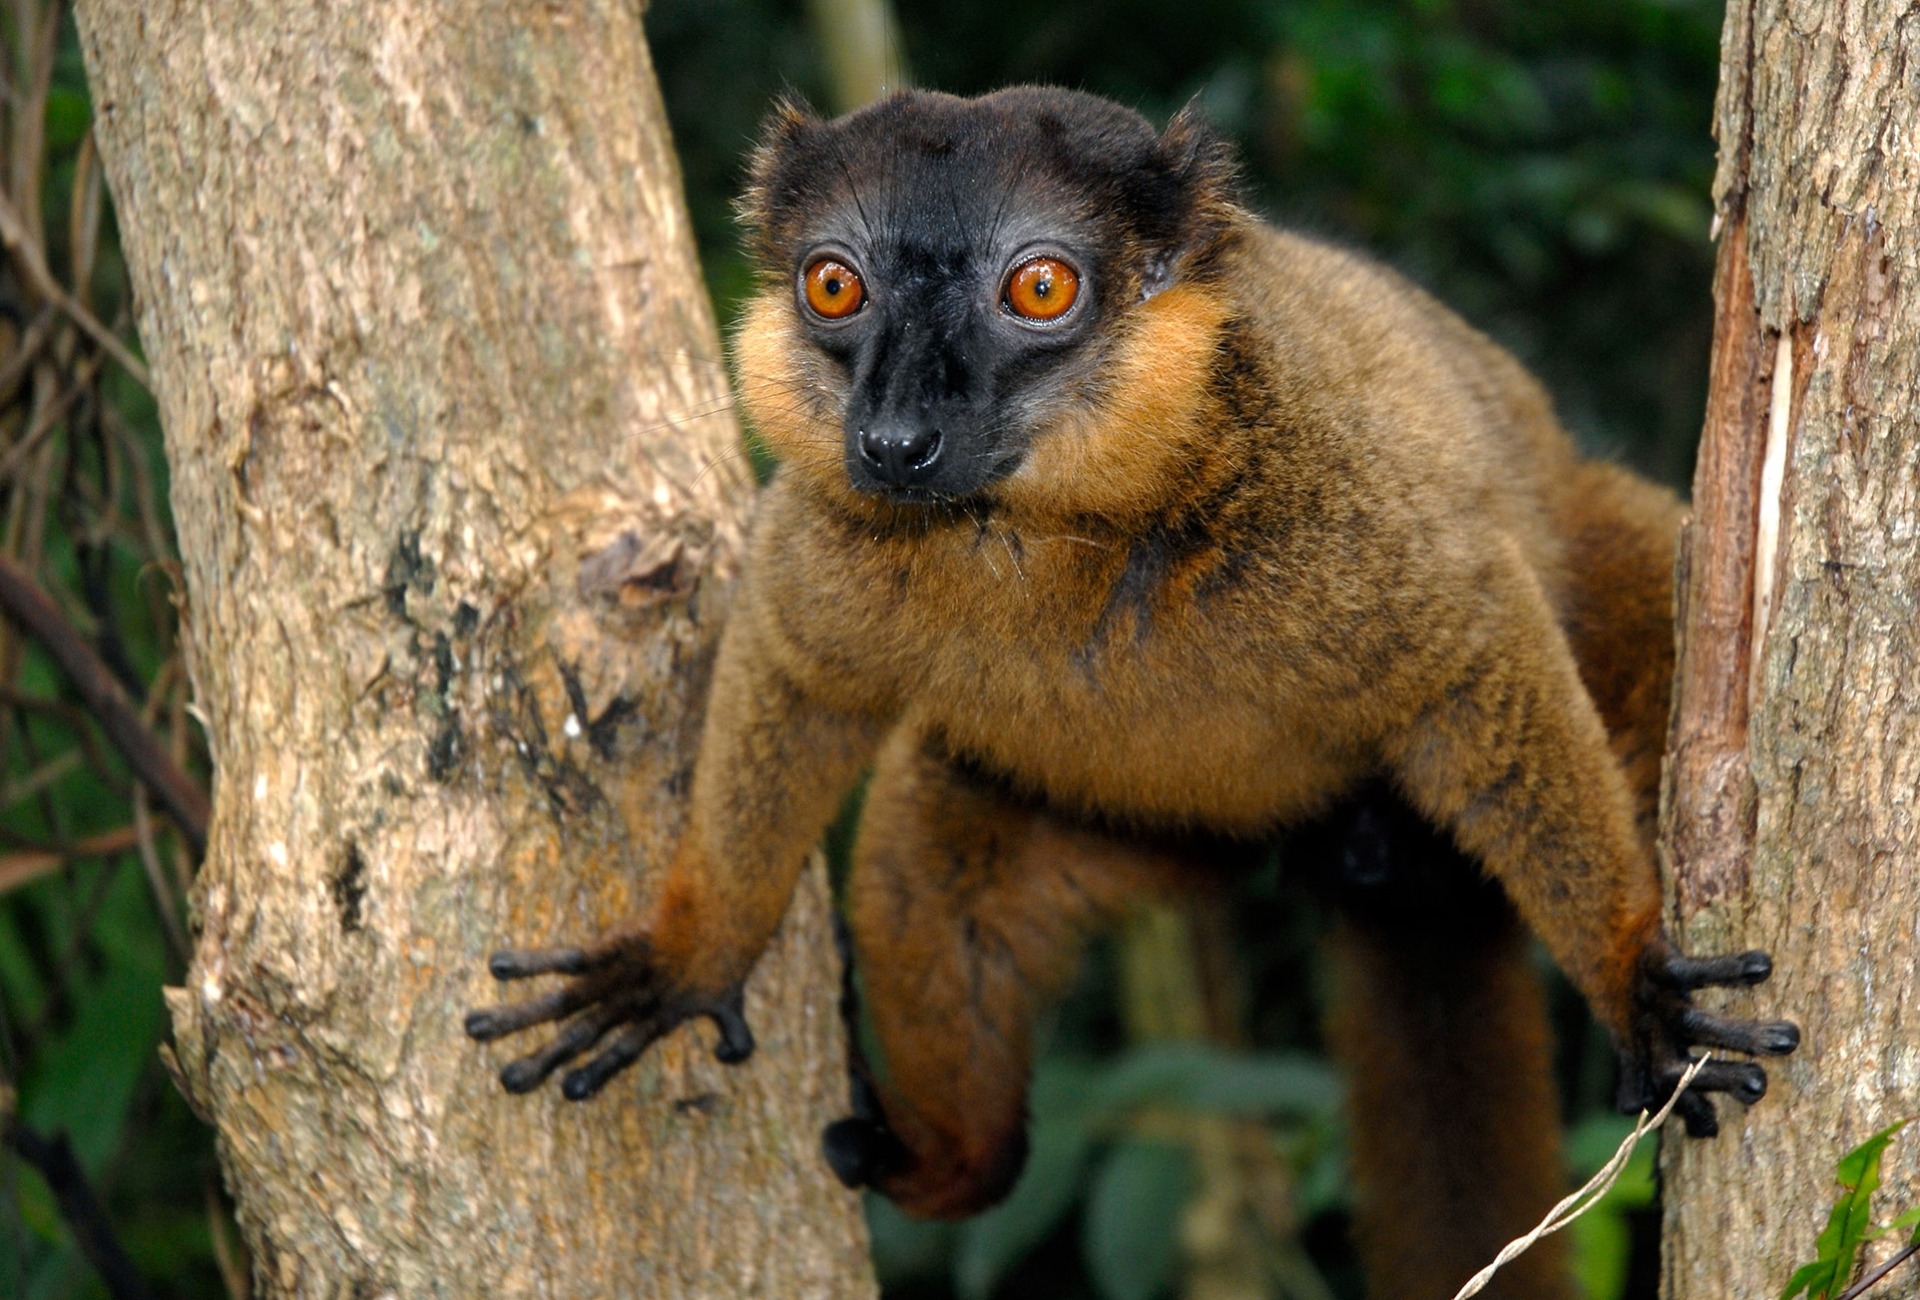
(458, 494)
(1791, 802)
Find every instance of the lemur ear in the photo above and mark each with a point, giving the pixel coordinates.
(787, 126)
(1206, 171)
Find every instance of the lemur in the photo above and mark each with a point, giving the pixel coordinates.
(1116, 530)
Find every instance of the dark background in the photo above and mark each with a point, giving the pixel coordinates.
(1541, 165)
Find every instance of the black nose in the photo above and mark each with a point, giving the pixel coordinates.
(901, 457)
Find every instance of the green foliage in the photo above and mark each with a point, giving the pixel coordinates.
(1849, 1223)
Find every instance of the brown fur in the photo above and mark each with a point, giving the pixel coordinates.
(1293, 528)
(1377, 574)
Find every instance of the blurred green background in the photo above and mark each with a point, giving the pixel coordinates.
(1542, 165)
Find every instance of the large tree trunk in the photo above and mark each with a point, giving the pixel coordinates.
(458, 495)
(1792, 798)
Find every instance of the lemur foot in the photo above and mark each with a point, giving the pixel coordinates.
(616, 988)
(1669, 1026)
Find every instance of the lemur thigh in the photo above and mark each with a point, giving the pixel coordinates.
(968, 908)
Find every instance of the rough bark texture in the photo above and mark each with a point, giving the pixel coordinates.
(456, 481)
(1796, 757)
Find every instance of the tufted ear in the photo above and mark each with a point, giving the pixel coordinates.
(787, 127)
(1206, 171)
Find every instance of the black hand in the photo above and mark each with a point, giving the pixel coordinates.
(1669, 1026)
(616, 988)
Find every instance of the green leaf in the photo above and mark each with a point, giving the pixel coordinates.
(1807, 1277)
(1849, 1224)
(1911, 1219)
(1132, 1229)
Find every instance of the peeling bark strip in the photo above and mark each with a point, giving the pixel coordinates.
(1793, 822)
(1709, 781)
(424, 320)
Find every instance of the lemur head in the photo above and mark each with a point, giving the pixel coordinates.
(970, 299)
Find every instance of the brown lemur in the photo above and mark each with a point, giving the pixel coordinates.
(1116, 531)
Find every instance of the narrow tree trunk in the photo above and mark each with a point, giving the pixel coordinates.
(455, 478)
(1796, 758)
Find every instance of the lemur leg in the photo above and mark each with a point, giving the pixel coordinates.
(1513, 759)
(1440, 1024)
(967, 908)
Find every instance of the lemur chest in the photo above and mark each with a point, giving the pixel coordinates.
(1133, 691)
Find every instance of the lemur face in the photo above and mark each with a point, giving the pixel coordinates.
(950, 277)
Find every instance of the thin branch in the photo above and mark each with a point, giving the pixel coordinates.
(53, 1159)
(157, 879)
(229, 1256)
(19, 241)
(22, 599)
(1852, 1292)
(16, 869)
(1577, 1204)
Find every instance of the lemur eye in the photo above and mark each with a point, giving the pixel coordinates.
(1042, 289)
(832, 289)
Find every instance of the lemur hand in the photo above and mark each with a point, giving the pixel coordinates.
(616, 987)
(1667, 1026)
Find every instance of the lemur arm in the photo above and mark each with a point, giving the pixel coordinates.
(774, 763)
(1512, 758)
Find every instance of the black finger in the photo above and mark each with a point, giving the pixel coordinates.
(1755, 1037)
(525, 1074)
(496, 1022)
(520, 963)
(1743, 1080)
(623, 1051)
(1751, 967)
(1699, 1115)
(736, 1038)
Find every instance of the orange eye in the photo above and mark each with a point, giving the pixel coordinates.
(1043, 289)
(833, 289)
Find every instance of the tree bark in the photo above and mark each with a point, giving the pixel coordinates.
(1791, 810)
(458, 492)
